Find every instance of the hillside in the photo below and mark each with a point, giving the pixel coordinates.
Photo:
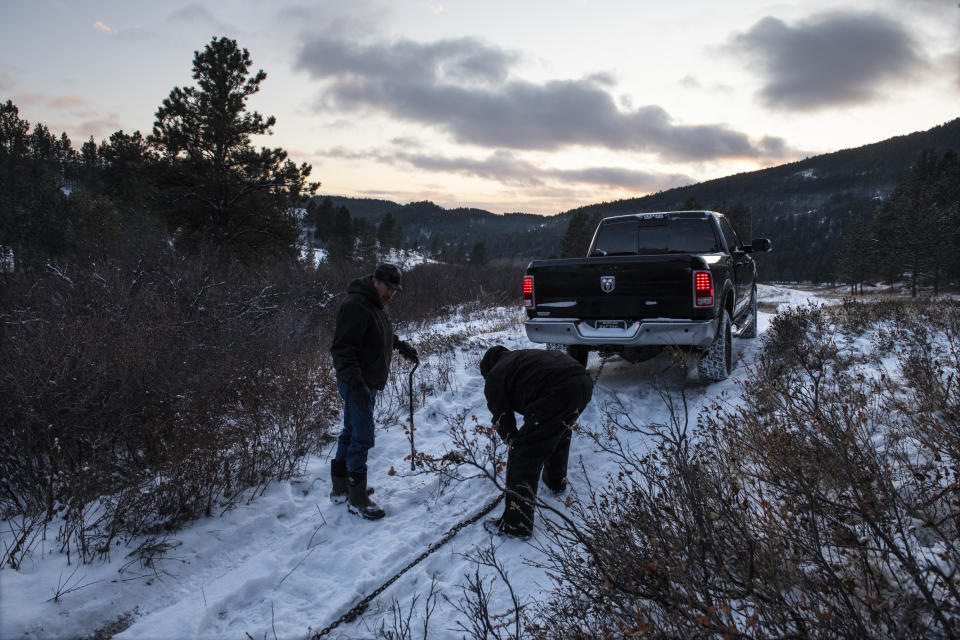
(509, 235)
(802, 206)
(866, 172)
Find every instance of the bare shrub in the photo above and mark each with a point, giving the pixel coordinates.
(480, 595)
(434, 290)
(402, 623)
(823, 504)
(474, 451)
(136, 397)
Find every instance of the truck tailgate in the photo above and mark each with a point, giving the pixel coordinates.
(621, 287)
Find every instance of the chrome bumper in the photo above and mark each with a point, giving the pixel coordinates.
(641, 333)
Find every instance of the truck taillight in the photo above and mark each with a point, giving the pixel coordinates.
(702, 289)
(528, 292)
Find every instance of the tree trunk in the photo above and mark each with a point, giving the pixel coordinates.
(914, 276)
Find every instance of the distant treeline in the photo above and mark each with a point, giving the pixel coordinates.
(454, 236)
(829, 216)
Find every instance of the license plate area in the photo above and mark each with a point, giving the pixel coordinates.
(610, 324)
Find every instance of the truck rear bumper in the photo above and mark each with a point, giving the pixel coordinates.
(695, 333)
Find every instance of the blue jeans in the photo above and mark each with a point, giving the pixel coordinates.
(357, 435)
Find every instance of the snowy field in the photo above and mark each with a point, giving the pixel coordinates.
(290, 562)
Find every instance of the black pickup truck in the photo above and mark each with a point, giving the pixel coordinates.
(649, 280)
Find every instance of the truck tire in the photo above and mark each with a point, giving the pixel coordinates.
(750, 330)
(717, 361)
(579, 353)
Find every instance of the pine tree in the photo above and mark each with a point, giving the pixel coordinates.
(218, 189)
(34, 221)
(14, 195)
(388, 233)
(310, 217)
(943, 221)
(436, 246)
(915, 227)
(366, 239)
(126, 166)
(478, 255)
(323, 219)
(342, 243)
(739, 216)
(89, 168)
(854, 259)
(576, 240)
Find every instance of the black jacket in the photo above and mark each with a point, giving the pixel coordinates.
(363, 340)
(519, 378)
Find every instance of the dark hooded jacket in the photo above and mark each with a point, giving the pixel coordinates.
(363, 340)
(515, 380)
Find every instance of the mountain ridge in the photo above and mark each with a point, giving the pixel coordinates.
(839, 185)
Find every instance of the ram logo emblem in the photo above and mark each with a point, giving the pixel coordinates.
(607, 283)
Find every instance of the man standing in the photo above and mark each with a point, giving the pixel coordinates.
(363, 342)
(550, 389)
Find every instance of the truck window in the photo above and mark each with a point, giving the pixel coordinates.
(616, 237)
(733, 241)
(659, 234)
(692, 235)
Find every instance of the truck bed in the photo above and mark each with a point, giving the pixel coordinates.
(643, 287)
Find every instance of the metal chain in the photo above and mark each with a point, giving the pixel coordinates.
(361, 606)
(603, 361)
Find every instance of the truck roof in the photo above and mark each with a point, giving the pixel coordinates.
(674, 214)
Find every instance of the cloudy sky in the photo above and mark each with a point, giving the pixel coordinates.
(507, 105)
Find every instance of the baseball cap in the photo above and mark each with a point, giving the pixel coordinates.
(388, 274)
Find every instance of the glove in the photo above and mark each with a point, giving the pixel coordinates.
(506, 431)
(361, 393)
(407, 351)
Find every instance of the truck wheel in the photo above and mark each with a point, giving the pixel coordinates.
(579, 353)
(717, 360)
(750, 331)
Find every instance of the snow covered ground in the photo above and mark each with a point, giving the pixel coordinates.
(290, 562)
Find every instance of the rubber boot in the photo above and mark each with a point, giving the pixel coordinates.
(340, 483)
(554, 474)
(557, 487)
(360, 503)
(338, 477)
(499, 527)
